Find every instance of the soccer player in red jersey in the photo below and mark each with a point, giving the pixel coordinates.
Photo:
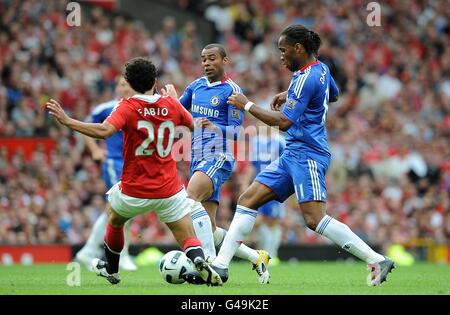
(149, 178)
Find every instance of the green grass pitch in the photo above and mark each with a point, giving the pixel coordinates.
(304, 278)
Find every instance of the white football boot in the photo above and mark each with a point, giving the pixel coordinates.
(262, 266)
(379, 272)
(99, 267)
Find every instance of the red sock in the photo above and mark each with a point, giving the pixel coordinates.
(193, 248)
(190, 242)
(114, 238)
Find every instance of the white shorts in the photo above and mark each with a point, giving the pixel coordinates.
(169, 209)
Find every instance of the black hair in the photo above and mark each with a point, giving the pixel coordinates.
(141, 74)
(310, 40)
(222, 49)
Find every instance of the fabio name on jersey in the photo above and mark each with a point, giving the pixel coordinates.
(148, 124)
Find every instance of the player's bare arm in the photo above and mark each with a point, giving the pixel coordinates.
(98, 154)
(278, 100)
(271, 118)
(99, 131)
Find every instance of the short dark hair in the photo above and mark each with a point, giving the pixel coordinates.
(222, 49)
(141, 74)
(310, 40)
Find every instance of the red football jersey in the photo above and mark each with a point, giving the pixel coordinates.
(148, 124)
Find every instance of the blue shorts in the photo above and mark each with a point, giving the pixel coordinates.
(218, 169)
(295, 172)
(272, 209)
(111, 172)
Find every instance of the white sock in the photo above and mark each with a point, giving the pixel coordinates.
(263, 237)
(127, 238)
(203, 229)
(219, 236)
(95, 240)
(243, 251)
(240, 228)
(275, 240)
(344, 237)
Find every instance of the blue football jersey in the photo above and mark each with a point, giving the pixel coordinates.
(205, 99)
(306, 107)
(265, 150)
(114, 144)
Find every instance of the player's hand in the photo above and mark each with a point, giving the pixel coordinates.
(170, 90)
(278, 100)
(55, 109)
(205, 123)
(99, 155)
(238, 100)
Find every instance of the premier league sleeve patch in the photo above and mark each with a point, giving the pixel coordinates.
(290, 104)
(235, 114)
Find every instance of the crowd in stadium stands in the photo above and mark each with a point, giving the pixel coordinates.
(389, 132)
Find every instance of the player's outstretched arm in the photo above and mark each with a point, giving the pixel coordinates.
(100, 131)
(98, 154)
(272, 118)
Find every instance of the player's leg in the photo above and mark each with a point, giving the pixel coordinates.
(274, 183)
(200, 188)
(263, 235)
(114, 239)
(176, 213)
(218, 177)
(309, 181)
(243, 251)
(338, 232)
(276, 234)
(92, 248)
(114, 171)
(263, 229)
(113, 245)
(184, 233)
(215, 173)
(126, 262)
(211, 208)
(111, 171)
(121, 208)
(273, 222)
(243, 221)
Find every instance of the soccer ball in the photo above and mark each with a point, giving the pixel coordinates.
(173, 265)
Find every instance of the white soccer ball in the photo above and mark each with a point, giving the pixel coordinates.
(173, 265)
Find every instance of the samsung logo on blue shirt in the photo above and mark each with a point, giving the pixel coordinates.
(205, 111)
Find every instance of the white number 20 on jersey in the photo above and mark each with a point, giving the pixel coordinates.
(162, 152)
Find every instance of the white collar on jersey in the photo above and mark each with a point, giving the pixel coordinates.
(148, 98)
(215, 82)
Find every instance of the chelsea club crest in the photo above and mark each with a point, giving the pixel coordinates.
(214, 101)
